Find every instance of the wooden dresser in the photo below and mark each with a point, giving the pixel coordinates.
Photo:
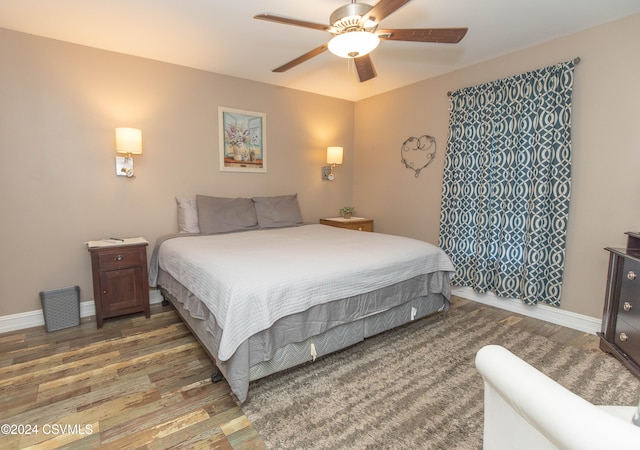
(620, 334)
(120, 280)
(354, 223)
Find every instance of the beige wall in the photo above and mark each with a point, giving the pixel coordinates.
(60, 104)
(606, 156)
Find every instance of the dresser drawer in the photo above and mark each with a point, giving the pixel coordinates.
(629, 301)
(627, 338)
(120, 258)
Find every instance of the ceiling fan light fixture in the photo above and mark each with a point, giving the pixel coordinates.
(353, 44)
(354, 29)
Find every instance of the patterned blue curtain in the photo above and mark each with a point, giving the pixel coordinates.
(507, 181)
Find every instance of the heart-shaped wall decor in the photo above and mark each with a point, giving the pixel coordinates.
(417, 153)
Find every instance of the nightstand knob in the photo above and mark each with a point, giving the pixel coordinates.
(627, 306)
(104, 291)
(623, 337)
(119, 258)
(360, 229)
(631, 275)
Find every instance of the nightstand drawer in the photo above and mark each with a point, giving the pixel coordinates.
(363, 226)
(120, 258)
(355, 223)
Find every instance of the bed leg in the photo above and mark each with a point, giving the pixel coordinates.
(165, 302)
(216, 376)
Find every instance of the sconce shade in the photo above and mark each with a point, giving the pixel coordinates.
(129, 141)
(334, 155)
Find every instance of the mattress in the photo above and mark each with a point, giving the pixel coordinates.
(261, 356)
(257, 297)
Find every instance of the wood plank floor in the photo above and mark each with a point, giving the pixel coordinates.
(136, 383)
(142, 383)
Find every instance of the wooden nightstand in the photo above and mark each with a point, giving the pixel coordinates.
(120, 280)
(354, 223)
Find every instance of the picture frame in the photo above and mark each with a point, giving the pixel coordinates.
(243, 140)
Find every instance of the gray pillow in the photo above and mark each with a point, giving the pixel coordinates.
(220, 215)
(279, 211)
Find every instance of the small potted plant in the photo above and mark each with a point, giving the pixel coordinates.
(347, 211)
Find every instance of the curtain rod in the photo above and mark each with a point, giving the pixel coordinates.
(576, 61)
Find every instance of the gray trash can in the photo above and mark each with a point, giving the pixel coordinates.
(61, 308)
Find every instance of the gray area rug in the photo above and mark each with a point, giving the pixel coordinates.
(416, 387)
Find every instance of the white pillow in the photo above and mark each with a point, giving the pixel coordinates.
(187, 215)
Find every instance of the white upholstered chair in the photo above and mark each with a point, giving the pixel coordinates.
(525, 409)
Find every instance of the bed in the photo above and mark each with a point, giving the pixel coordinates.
(268, 293)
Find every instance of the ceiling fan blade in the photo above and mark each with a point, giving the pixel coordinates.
(440, 35)
(300, 59)
(288, 21)
(364, 67)
(383, 9)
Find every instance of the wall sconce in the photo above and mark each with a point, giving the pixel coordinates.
(129, 141)
(334, 156)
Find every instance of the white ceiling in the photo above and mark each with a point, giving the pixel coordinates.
(221, 35)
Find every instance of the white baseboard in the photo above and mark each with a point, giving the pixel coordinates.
(547, 313)
(31, 319)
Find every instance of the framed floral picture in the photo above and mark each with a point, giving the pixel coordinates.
(243, 143)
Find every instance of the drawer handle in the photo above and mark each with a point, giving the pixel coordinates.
(631, 275)
(119, 258)
(623, 337)
(360, 229)
(627, 306)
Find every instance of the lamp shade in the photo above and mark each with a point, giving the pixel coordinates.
(353, 44)
(129, 140)
(334, 155)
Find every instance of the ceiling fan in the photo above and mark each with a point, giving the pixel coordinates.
(355, 34)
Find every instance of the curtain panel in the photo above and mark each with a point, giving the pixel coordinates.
(507, 183)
